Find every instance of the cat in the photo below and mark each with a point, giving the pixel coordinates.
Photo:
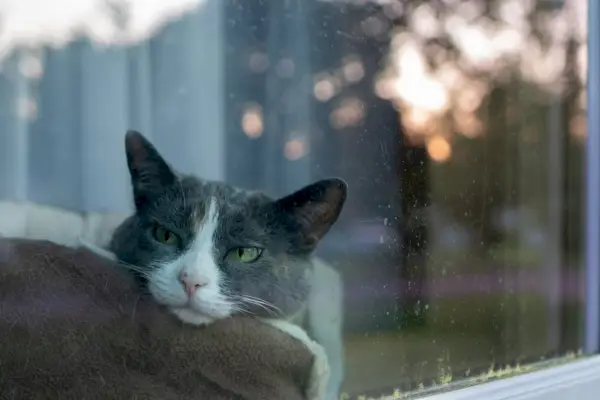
(208, 250)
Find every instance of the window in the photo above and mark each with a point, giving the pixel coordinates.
(466, 256)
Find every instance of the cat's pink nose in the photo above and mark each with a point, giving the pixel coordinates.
(191, 283)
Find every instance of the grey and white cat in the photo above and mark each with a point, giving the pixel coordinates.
(207, 250)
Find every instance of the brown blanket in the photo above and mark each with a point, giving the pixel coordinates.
(74, 326)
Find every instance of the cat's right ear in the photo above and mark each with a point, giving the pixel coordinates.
(150, 173)
(314, 209)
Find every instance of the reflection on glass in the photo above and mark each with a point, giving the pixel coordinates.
(492, 105)
(458, 125)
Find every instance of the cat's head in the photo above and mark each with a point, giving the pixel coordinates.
(208, 250)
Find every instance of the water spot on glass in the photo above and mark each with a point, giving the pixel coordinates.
(258, 62)
(285, 68)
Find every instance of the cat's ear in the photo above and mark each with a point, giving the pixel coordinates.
(314, 209)
(150, 173)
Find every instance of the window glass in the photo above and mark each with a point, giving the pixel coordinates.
(459, 127)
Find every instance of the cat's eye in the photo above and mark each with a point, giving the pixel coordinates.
(165, 236)
(247, 254)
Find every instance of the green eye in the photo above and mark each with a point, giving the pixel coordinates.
(165, 236)
(247, 254)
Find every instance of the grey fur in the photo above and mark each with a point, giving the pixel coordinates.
(287, 229)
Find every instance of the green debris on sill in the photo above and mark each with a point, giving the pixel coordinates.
(446, 383)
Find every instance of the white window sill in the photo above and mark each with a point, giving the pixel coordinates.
(578, 380)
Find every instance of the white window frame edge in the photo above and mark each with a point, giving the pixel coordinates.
(578, 379)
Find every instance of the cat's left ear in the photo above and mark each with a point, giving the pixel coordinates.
(150, 173)
(315, 208)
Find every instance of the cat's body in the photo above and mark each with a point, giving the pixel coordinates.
(323, 319)
(208, 250)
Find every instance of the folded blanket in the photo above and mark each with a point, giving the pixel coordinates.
(73, 325)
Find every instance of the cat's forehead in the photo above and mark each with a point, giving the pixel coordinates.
(194, 199)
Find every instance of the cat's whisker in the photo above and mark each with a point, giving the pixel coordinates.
(260, 301)
(236, 308)
(239, 308)
(268, 306)
(251, 300)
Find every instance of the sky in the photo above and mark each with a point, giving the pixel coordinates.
(56, 22)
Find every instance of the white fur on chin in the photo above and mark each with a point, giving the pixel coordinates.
(191, 317)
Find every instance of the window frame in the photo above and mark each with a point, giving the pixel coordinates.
(578, 379)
